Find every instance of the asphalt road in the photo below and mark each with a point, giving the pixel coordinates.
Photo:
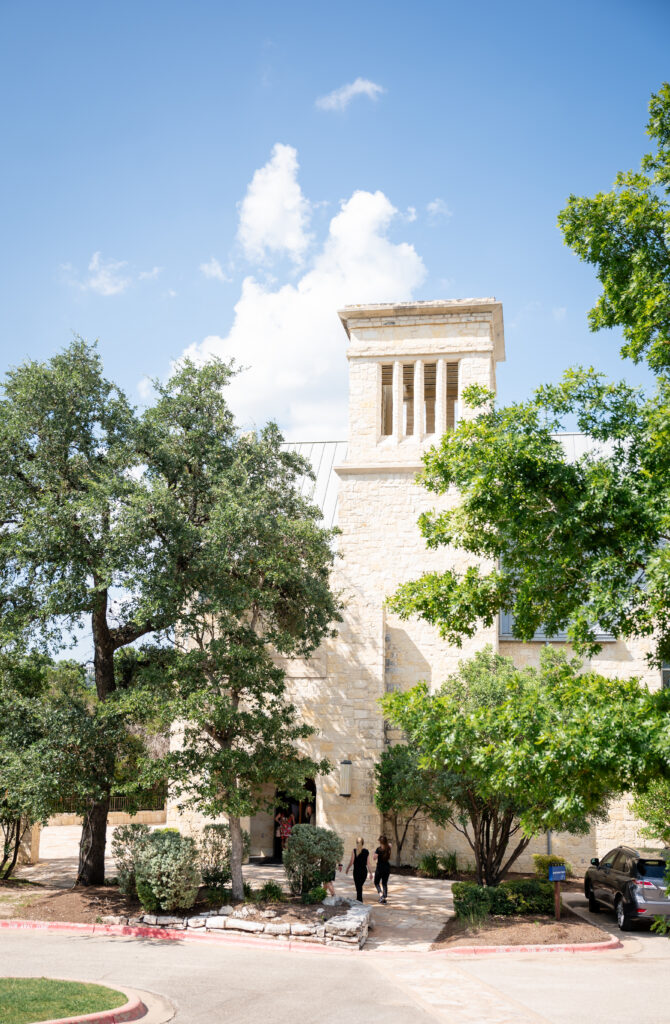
(246, 985)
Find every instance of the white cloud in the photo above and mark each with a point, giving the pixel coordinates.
(274, 214)
(150, 275)
(214, 271)
(437, 208)
(410, 214)
(559, 313)
(339, 99)
(105, 277)
(289, 335)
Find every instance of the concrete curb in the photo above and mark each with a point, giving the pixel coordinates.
(170, 935)
(574, 947)
(132, 1009)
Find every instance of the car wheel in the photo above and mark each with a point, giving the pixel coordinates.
(625, 923)
(594, 906)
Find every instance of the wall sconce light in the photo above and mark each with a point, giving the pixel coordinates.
(345, 777)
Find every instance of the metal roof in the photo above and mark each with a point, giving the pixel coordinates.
(323, 456)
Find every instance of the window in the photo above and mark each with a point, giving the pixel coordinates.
(665, 675)
(608, 859)
(387, 400)
(408, 399)
(507, 633)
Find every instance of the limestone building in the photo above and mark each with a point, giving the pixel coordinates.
(408, 366)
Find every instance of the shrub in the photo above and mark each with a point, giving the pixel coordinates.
(544, 861)
(471, 901)
(525, 896)
(270, 892)
(167, 874)
(127, 843)
(311, 857)
(315, 895)
(214, 855)
(449, 863)
(429, 866)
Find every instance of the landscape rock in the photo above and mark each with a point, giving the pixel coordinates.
(241, 925)
(215, 922)
(299, 928)
(278, 928)
(225, 909)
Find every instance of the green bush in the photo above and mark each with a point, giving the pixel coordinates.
(525, 896)
(544, 861)
(127, 843)
(214, 855)
(471, 901)
(429, 866)
(311, 857)
(270, 892)
(315, 895)
(166, 871)
(449, 863)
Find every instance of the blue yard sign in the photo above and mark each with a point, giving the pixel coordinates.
(557, 873)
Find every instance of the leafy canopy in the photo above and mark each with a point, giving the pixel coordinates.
(579, 544)
(528, 750)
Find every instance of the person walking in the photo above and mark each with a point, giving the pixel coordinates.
(383, 868)
(359, 862)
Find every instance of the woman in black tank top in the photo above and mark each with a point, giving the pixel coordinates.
(359, 862)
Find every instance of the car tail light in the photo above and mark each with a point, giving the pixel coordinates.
(642, 910)
(643, 883)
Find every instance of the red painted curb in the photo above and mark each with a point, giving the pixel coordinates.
(169, 934)
(575, 947)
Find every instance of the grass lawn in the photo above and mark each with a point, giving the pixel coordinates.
(24, 1000)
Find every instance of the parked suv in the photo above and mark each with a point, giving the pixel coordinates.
(629, 884)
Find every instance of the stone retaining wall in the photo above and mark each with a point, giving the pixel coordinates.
(347, 930)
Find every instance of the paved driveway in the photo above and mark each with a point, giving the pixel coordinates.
(246, 985)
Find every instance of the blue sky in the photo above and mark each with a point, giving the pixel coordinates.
(171, 183)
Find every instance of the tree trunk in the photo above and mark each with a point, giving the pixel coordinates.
(236, 857)
(92, 844)
(94, 830)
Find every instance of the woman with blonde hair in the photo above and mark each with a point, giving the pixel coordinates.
(359, 862)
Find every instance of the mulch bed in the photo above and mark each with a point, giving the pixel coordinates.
(87, 904)
(524, 930)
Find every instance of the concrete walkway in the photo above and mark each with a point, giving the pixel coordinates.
(410, 921)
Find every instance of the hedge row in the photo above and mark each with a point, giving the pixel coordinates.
(526, 896)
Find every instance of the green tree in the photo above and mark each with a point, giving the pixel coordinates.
(54, 743)
(104, 517)
(405, 792)
(525, 751)
(625, 234)
(259, 585)
(652, 806)
(577, 545)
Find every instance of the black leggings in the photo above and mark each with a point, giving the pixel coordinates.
(382, 876)
(359, 881)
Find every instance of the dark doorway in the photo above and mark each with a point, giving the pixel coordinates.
(297, 810)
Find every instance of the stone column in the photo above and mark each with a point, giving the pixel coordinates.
(419, 405)
(441, 398)
(397, 400)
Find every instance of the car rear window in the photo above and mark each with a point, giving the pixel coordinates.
(652, 868)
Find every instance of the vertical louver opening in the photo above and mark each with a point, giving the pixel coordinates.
(429, 394)
(408, 398)
(387, 399)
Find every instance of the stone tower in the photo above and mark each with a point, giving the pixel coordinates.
(408, 366)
